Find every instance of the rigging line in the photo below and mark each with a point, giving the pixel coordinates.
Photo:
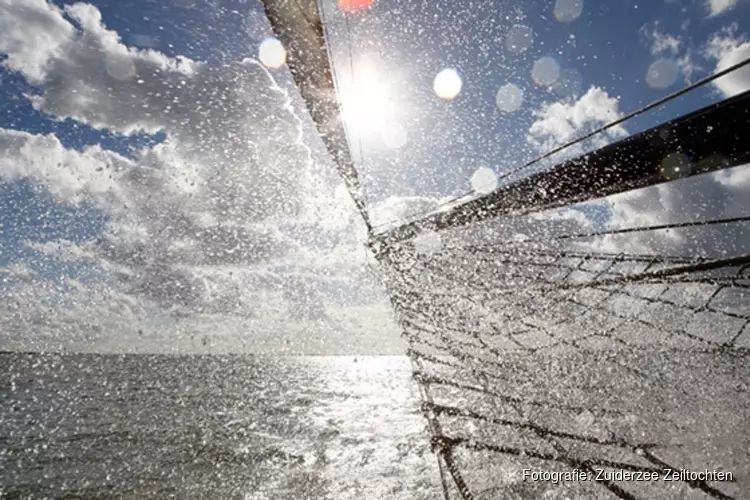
(676, 225)
(520, 249)
(633, 114)
(741, 260)
(573, 254)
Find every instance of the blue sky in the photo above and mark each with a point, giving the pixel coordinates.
(120, 199)
(606, 46)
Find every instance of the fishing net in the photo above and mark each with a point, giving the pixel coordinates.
(541, 355)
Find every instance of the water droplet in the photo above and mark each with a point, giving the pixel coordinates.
(120, 67)
(394, 136)
(662, 73)
(483, 181)
(585, 419)
(569, 84)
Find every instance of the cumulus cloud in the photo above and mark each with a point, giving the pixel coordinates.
(717, 195)
(31, 54)
(68, 175)
(562, 121)
(660, 42)
(712, 196)
(716, 7)
(726, 48)
(397, 209)
(229, 217)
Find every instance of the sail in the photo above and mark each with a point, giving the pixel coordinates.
(299, 27)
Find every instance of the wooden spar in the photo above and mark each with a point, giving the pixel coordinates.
(713, 138)
(299, 27)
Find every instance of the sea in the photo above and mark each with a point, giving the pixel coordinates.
(214, 427)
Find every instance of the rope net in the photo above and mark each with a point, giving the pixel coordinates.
(554, 355)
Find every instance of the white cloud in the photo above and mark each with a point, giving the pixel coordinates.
(227, 222)
(717, 195)
(665, 43)
(660, 43)
(726, 49)
(559, 122)
(67, 174)
(688, 65)
(716, 7)
(28, 52)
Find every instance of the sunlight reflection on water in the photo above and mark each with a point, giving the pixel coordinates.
(378, 446)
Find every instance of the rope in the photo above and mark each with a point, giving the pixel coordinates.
(677, 225)
(525, 246)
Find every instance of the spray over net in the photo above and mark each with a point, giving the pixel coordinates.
(618, 354)
(610, 353)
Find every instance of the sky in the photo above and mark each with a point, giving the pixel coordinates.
(163, 189)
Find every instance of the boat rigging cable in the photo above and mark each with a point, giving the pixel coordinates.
(659, 102)
(533, 355)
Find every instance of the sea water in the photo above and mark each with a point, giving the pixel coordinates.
(135, 426)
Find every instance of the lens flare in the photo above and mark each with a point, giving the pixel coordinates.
(662, 73)
(569, 83)
(676, 166)
(447, 84)
(509, 98)
(567, 11)
(545, 71)
(354, 6)
(271, 53)
(483, 181)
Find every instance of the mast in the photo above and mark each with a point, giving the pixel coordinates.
(299, 27)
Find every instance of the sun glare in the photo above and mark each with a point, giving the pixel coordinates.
(366, 102)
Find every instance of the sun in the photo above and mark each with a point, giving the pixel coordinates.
(367, 104)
